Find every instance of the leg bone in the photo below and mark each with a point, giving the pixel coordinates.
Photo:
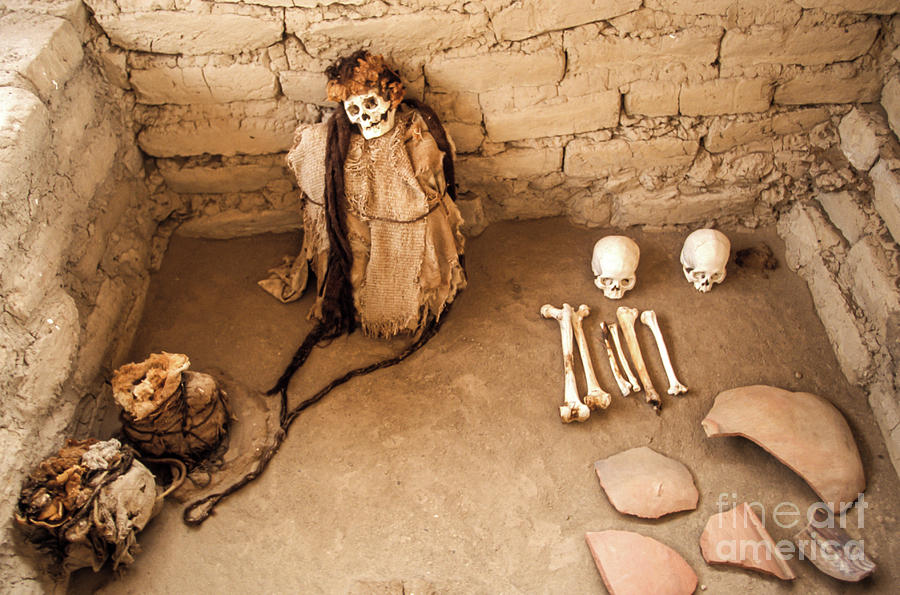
(573, 409)
(648, 317)
(626, 317)
(624, 385)
(614, 331)
(597, 398)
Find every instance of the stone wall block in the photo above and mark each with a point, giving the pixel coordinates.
(845, 212)
(830, 86)
(421, 32)
(50, 356)
(193, 33)
(308, 87)
(864, 6)
(45, 50)
(495, 70)
(860, 142)
(846, 338)
(24, 139)
(586, 50)
(233, 223)
(810, 235)
(511, 164)
(652, 98)
(669, 207)
(223, 176)
(872, 283)
(211, 84)
(100, 328)
(571, 116)
(466, 137)
(805, 45)
(806, 235)
(886, 198)
(461, 107)
(587, 158)
(251, 128)
(890, 101)
(528, 19)
(96, 160)
(725, 96)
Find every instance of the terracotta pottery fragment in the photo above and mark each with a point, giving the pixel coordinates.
(631, 563)
(644, 483)
(802, 430)
(737, 537)
(824, 543)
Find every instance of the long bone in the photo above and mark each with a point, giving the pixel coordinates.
(597, 398)
(624, 385)
(614, 331)
(648, 317)
(573, 409)
(626, 317)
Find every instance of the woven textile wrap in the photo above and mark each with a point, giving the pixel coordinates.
(402, 226)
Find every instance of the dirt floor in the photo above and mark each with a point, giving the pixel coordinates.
(451, 473)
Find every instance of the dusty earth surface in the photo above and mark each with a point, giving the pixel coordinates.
(451, 473)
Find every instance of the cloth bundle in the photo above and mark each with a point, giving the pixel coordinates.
(167, 410)
(87, 503)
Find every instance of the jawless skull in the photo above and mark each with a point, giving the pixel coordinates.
(703, 258)
(614, 262)
(373, 114)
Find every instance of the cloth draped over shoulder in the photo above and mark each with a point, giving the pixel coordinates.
(402, 226)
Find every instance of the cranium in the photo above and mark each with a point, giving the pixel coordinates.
(703, 258)
(614, 263)
(371, 112)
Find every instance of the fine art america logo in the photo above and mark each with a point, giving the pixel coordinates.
(787, 515)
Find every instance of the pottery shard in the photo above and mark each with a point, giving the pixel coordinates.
(644, 483)
(802, 430)
(738, 537)
(631, 563)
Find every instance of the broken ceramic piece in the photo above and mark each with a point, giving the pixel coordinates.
(737, 537)
(631, 563)
(802, 430)
(824, 543)
(644, 483)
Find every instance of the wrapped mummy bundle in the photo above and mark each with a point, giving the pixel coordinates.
(167, 410)
(86, 504)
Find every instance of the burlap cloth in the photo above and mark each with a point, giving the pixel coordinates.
(402, 226)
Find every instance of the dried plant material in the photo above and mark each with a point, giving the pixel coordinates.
(737, 537)
(832, 550)
(140, 388)
(647, 484)
(802, 430)
(632, 564)
(86, 504)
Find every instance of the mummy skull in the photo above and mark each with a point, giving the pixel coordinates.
(371, 112)
(614, 263)
(703, 258)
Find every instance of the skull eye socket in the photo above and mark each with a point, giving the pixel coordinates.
(698, 275)
(717, 277)
(370, 102)
(352, 109)
(607, 281)
(628, 282)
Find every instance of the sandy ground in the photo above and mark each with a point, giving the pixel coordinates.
(451, 472)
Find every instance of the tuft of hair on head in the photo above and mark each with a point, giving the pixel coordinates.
(361, 72)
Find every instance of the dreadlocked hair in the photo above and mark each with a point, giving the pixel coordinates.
(360, 73)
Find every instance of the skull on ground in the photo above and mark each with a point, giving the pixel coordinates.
(372, 113)
(703, 258)
(614, 262)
